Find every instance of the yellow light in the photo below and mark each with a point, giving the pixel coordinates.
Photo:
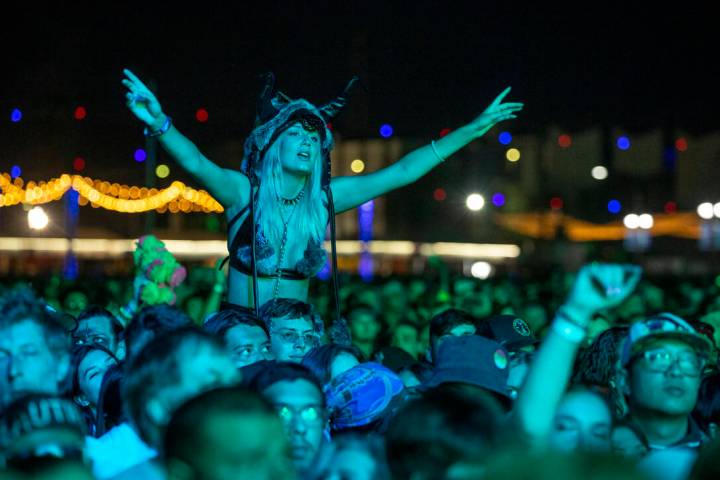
(357, 166)
(513, 155)
(162, 171)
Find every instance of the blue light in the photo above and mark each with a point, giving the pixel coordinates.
(140, 155)
(16, 115)
(498, 199)
(623, 143)
(324, 273)
(386, 131)
(614, 206)
(15, 172)
(505, 138)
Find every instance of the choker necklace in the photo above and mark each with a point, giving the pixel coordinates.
(294, 200)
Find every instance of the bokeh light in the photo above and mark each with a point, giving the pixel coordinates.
(475, 202)
(614, 206)
(15, 171)
(162, 171)
(79, 164)
(556, 203)
(705, 210)
(37, 218)
(16, 115)
(513, 155)
(670, 207)
(201, 115)
(599, 172)
(357, 166)
(505, 138)
(80, 113)
(481, 270)
(386, 131)
(498, 199)
(646, 221)
(681, 144)
(623, 143)
(439, 194)
(444, 132)
(631, 221)
(564, 140)
(140, 155)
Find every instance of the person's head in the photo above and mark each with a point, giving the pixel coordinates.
(364, 324)
(38, 427)
(151, 321)
(298, 398)
(170, 369)
(89, 364)
(351, 456)
(75, 302)
(200, 438)
(245, 336)
(662, 360)
(97, 326)
(626, 439)
(443, 428)
(34, 347)
(582, 422)
(406, 335)
(329, 361)
(597, 364)
(292, 327)
(450, 323)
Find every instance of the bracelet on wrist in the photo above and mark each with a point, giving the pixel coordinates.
(569, 330)
(435, 151)
(160, 131)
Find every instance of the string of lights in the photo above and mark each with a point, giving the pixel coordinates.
(111, 196)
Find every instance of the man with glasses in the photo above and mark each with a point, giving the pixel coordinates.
(298, 398)
(662, 360)
(293, 326)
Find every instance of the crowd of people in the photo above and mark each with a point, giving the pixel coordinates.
(571, 375)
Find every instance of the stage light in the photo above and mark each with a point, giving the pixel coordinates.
(505, 138)
(386, 131)
(475, 202)
(599, 172)
(37, 218)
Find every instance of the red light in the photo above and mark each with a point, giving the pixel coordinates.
(556, 203)
(79, 164)
(80, 113)
(564, 141)
(439, 194)
(681, 144)
(444, 132)
(329, 126)
(670, 207)
(201, 115)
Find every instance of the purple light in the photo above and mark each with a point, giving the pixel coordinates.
(498, 199)
(140, 155)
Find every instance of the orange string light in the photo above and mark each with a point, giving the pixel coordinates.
(102, 194)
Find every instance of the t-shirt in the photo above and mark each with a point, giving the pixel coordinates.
(118, 450)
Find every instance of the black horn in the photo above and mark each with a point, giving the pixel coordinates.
(331, 109)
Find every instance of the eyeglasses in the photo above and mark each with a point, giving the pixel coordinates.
(689, 363)
(310, 415)
(291, 336)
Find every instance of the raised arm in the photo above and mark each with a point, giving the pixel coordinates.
(349, 192)
(229, 187)
(597, 287)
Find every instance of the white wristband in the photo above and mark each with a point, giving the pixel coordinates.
(568, 330)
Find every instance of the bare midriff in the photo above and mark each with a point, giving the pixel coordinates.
(240, 289)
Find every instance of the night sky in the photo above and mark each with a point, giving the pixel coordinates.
(424, 67)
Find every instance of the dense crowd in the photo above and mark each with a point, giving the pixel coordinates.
(597, 374)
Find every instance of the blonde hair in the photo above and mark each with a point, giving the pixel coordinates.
(309, 218)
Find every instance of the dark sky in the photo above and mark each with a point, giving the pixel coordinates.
(425, 65)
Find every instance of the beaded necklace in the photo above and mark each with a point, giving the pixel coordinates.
(281, 251)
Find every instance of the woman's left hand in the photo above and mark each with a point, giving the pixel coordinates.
(495, 113)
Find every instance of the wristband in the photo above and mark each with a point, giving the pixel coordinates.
(156, 133)
(568, 330)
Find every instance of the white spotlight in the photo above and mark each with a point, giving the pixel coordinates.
(37, 218)
(475, 202)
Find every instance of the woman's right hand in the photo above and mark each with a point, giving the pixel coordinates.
(142, 102)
